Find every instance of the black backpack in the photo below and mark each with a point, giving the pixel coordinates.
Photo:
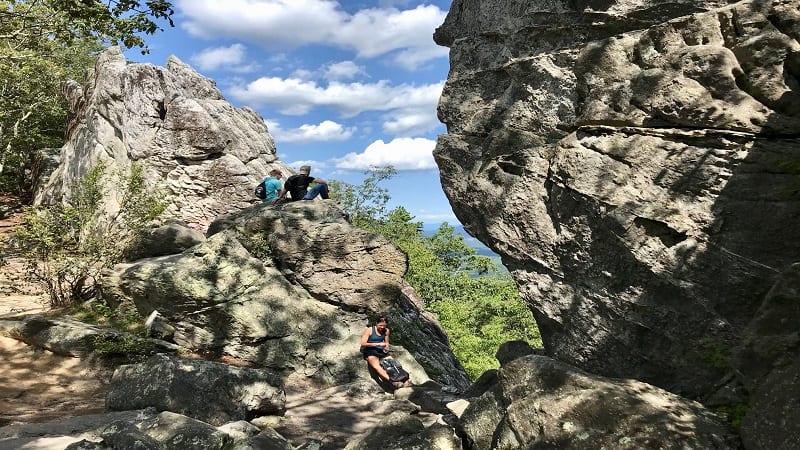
(394, 370)
(261, 191)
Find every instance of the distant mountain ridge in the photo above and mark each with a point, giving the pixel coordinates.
(430, 228)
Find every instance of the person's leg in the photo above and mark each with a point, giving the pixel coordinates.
(375, 363)
(318, 189)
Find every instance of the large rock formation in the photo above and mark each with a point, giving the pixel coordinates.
(207, 154)
(288, 289)
(635, 164)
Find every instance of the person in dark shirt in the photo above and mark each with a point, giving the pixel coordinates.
(297, 186)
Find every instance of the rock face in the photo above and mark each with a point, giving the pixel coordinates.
(171, 384)
(538, 402)
(289, 289)
(205, 153)
(635, 164)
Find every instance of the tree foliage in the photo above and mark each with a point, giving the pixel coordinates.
(366, 202)
(44, 43)
(66, 247)
(477, 306)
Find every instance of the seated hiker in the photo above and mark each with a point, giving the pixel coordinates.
(272, 183)
(375, 346)
(297, 186)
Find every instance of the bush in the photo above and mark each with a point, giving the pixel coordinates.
(67, 246)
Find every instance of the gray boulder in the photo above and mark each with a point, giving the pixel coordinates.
(70, 337)
(212, 392)
(267, 439)
(399, 430)
(167, 239)
(121, 434)
(542, 403)
(178, 432)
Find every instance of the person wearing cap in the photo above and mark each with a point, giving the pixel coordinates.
(272, 183)
(297, 186)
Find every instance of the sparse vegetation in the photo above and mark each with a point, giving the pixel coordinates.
(67, 246)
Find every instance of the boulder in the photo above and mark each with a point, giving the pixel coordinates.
(172, 384)
(399, 430)
(632, 162)
(540, 402)
(70, 337)
(166, 239)
(178, 432)
(267, 439)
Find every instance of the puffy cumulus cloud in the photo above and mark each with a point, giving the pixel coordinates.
(402, 153)
(295, 96)
(231, 58)
(344, 70)
(408, 122)
(293, 23)
(325, 131)
(374, 32)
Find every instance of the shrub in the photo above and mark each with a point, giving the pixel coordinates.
(67, 246)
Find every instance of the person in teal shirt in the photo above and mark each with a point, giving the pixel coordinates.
(273, 185)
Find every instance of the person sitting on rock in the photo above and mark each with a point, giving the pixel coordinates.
(375, 346)
(297, 186)
(272, 183)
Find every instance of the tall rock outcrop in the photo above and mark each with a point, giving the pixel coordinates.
(173, 121)
(635, 164)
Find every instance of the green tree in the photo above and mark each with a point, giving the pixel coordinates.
(44, 43)
(364, 203)
(66, 247)
(477, 306)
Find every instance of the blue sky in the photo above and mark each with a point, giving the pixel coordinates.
(342, 85)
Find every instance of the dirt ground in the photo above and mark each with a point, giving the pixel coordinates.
(37, 385)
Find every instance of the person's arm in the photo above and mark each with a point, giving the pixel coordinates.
(281, 194)
(365, 336)
(320, 181)
(386, 341)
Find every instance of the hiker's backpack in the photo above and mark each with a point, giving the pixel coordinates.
(261, 191)
(394, 370)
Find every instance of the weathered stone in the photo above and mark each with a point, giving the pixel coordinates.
(172, 384)
(511, 350)
(767, 365)
(206, 154)
(121, 434)
(239, 430)
(391, 432)
(65, 336)
(268, 439)
(545, 403)
(178, 432)
(300, 306)
(632, 163)
(166, 239)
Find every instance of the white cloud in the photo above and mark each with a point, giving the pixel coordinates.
(344, 70)
(402, 153)
(324, 132)
(294, 23)
(411, 122)
(436, 217)
(230, 58)
(409, 105)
